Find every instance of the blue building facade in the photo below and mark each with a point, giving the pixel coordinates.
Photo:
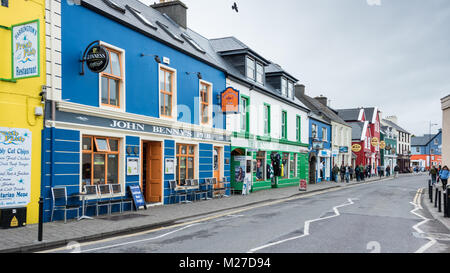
(320, 146)
(150, 117)
(428, 144)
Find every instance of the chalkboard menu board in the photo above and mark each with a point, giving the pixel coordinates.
(138, 198)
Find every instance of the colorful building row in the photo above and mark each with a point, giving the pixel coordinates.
(137, 98)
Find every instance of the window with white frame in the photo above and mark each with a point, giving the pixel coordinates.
(112, 79)
(291, 89)
(250, 68)
(284, 86)
(259, 73)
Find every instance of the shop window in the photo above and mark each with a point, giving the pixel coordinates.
(100, 160)
(112, 80)
(185, 162)
(205, 103)
(293, 165)
(285, 162)
(166, 88)
(260, 166)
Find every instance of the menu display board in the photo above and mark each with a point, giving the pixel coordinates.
(15, 167)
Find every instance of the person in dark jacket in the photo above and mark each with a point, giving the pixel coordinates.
(433, 173)
(342, 172)
(335, 172)
(357, 173)
(396, 170)
(351, 172)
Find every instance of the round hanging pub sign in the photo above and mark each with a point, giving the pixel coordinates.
(97, 59)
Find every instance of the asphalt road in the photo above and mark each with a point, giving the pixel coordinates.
(381, 217)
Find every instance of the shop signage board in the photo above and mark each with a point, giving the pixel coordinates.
(25, 50)
(15, 167)
(138, 197)
(382, 144)
(343, 149)
(136, 126)
(169, 166)
(230, 100)
(356, 148)
(97, 58)
(374, 142)
(303, 185)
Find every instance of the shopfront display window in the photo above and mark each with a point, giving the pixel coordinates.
(285, 162)
(100, 160)
(260, 166)
(185, 162)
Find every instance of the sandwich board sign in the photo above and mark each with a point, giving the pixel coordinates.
(138, 197)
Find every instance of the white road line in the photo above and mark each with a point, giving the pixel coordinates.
(306, 228)
(417, 205)
(138, 241)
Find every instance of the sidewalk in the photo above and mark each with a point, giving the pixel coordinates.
(57, 234)
(434, 211)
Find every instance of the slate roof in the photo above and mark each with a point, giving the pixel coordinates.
(349, 114)
(421, 141)
(152, 15)
(318, 107)
(232, 45)
(357, 130)
(392, 124)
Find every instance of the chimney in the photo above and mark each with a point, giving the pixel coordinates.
(322, 99)
(393, 119)
(299, 90)
(175, 9)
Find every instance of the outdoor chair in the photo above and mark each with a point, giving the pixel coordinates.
(188, 183)
(91, 196)
(60, 198)
(105, 196)
(197, 190)
(175, 192)
(117, 189)
(227, 186)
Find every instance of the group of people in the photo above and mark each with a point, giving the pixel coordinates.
(439, 174)
(360, 172)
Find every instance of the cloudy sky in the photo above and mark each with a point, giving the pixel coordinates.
(393, 54)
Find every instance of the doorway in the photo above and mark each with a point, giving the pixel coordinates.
(217, 165)
(312, 169)
(152, 175)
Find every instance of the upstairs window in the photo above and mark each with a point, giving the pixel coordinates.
(205, 97)
(244, 115)
(298, 128)
(291, 90)
(166, 88)
(324, 134)
(259, 73)
(284, 125)
(250, 68)
(266, 119)
(284, 86)
(112, 80)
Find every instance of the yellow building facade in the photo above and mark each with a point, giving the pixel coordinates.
(22, 80)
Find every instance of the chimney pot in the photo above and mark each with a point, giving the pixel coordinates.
(299, 90)
(176, 10)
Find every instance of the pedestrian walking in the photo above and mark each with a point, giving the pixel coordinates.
(443, 175)
(433, 173)
(347, 174)
(362, 172)
(342, 172)
(388, 170)
(335, 172)
(396, 170)
(357, 173)
(351, 173)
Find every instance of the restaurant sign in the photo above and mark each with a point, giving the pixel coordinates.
(25, 50)
(15, 167)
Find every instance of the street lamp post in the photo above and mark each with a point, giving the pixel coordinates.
(429, 142)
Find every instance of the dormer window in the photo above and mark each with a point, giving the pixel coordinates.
(291, 90)
(259, 73)
(284, 86)
(251, 68)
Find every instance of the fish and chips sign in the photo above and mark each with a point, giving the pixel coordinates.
(15, 167)
(25, 50)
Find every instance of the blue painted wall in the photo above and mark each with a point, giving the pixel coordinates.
(142, 87)
(433, 147)
(320, 125)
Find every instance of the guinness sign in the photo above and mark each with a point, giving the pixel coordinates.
(97, 59)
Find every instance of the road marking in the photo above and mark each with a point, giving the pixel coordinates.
(232, 212)
(306, 228)
(417, 206)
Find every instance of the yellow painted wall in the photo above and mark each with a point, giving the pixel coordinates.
(18, 100)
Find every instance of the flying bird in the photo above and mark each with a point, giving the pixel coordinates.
(235, 7)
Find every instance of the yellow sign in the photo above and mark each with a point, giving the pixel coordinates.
(374, 142)
(382, 145)
(14, 222)
(356, 148)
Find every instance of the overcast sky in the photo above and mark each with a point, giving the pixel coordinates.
(393, 54)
